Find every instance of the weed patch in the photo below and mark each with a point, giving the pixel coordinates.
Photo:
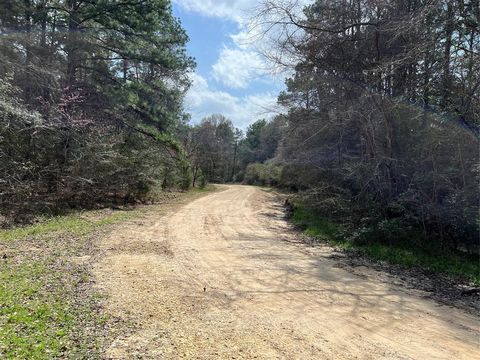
(456, 265)
(43, 312)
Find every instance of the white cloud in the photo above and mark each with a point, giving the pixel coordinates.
(239, 11)
(202, 100)
(237, 67)
(235, 10)
(245, 39)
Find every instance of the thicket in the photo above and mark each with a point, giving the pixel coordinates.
(382, 122)
(90, 104)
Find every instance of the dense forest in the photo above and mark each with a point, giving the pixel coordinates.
(91, 99)
(381, 125)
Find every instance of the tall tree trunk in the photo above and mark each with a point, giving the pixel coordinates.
(72, 42)
(27, 88)
(232, 177)
(446, 80)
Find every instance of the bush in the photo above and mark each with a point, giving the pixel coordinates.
(297, 177)
(262, 174)
(51, 166)
(203, 182)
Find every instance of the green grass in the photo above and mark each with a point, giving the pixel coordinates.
(452, 264)
(314, 226)
(74, 224)
(43, 312)
(33, 324)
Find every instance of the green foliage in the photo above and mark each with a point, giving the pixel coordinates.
(108, 100)
(262, 174)
(389, 241)
(34, 325)
(394, 232)
(299, 177)
(364, 137)
(454, 264)
(186, 177)
(314, 225)
(213, 143)
(203, 182)
(254, 134)
(422, 179)
(260, 143)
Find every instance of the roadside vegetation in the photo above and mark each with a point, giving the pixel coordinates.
(91, 105)
(48, 308)
(399, 247)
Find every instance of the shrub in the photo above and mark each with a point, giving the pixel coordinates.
(262, 174)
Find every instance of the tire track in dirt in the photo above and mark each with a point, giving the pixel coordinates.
(267, 296)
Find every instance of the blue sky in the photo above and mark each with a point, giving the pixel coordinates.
(231, 78)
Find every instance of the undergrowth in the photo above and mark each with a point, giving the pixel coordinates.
(453, 264)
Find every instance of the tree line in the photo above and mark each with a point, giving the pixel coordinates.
(382, 121)
(381, 127)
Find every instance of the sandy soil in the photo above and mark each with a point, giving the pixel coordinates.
(224, 277)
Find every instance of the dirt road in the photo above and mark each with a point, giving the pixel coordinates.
(224, 278)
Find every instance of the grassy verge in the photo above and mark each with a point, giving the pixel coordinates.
(77, 224)
(48, 308)
(452, 264)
